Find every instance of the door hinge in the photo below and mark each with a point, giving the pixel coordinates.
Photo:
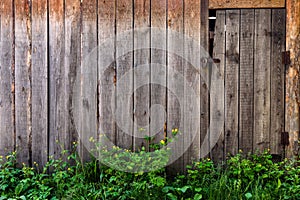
(286, 58)
(285, 141)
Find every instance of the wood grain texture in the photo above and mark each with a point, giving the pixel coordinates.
(292, 78)
(23, 80)
(89, 77)
(57, 93)
(191, 131)
(39, 82)
(107, 74)
(7, 87)
(72, 59)
(229, 4)
(262, 79)
(246, 80)
(217, 91)
(158, 92)
(175, 114)
(204, 90)
(277, 80)
(232, 81)
(141, 66)
(124, 63)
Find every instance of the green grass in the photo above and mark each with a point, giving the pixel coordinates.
(241, 177)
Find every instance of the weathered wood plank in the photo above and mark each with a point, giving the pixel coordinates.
(158, 91)
(231, 81)
(175, 114)
(72, 59)
(39, 82)
(228, 4)
(7, 87)
(89, 77)
(23, 80)
(57, 131)
(262, 59)
(246, 81)
(141, 66)
(107, 74)
(292, 78)
(277, 80)
(124, 64)
(217, 90)
(192, 76)
(204, 90)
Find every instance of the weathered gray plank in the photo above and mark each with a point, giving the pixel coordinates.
(57, 131)
(158, 91)
(231, 81)
(277, 80)
(39, 82)
(262, 48)
(7, 86)
(204, 90)
(141, 66)
(23, 79)
(124, 114)
(246, 81)
(175, 63)
(107, 74)
(192, 76)
(88, 77)
(217, 90)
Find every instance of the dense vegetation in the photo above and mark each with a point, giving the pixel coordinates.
(241, 177)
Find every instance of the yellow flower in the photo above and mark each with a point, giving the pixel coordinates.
(7, 157)
(208, 159)
(69, 169)
(162, 142)
(176, 130)
(1, 157)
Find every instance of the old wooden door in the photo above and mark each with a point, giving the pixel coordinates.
(249, 44)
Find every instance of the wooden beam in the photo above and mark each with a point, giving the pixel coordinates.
(292, 77)
(221, 4)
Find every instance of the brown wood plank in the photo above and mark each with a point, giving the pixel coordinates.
(292, 79)
(217, 88)
(141, 65)
(107, 74)
(262, 79)
(277, 80)
(124, 64)
(192, 76)
(7, 126)
(175, 110)
(158, 91)
(228, 4)
(57, 131)
(246, 81)
(204, 90)
(39, 82)
(88, 77)
(72, 59)
(231, 81)
(23, 80)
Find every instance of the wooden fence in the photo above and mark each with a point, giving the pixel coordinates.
(44, 44)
